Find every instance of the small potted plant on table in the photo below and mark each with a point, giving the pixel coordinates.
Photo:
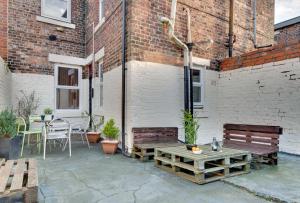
(10, 142)
(111, 133)
(48, 114)
(191, 127)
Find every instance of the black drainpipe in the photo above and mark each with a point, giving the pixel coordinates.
(190, 46)
(186, 88)
(231, 28)
(123, 75)
(90, 93)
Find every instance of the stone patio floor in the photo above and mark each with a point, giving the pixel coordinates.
(91, 176)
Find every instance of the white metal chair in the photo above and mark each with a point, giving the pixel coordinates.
(79, 126)
(58, 130)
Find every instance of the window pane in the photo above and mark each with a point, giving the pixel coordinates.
(196, 75)
(56, 8)
(67, 76)
(197, 94)
(67, 99)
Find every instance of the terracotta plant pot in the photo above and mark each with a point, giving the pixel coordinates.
(93, 137)
(110, 146)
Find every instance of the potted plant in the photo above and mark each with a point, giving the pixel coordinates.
(191, 127)
(48, 114)
(94, 131)
(10, 143)
(111, 134)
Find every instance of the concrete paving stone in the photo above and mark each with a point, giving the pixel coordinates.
(91, 176)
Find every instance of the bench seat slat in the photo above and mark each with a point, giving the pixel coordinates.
(254, 149)
(249, 133)
(251, 139)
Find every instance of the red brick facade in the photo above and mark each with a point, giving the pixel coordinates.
(262, 56)
(3, 29)
(28, 43)
(288, 34)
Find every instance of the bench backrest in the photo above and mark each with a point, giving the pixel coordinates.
(154, 135)
(255, 135)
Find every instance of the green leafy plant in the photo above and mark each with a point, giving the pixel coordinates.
(96, 120)
(110, 130)
(27, 105)
(7, 124)
(48, 111)
(191, 127)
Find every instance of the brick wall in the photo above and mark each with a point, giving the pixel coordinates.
(148, 41)
(267, 55)
(288, 34)
(108, 35)
(28, 42)
(3, 29)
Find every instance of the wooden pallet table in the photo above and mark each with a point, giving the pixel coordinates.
(203, 168)
(145, 152)
(19, 176)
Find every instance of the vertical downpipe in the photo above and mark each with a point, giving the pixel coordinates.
(123, 75)
(91, 73)
(231, 28)
(254, 23)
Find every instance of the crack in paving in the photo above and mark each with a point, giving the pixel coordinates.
(257, 194)
(85, 184)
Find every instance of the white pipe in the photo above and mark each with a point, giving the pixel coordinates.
(171, 23)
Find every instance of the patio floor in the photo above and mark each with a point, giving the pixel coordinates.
(90, 176)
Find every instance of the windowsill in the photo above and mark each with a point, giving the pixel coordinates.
(99, 25)
(55, 22)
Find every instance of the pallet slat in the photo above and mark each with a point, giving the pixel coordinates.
(32, 174)
(4, 174)
(17, 181)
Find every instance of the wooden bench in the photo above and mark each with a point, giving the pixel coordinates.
(18, 176)
(145, 140)
(261, 141)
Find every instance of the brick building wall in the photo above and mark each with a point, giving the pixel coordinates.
(108, 35)
(3, 29)
(28, 44)
(288, 34)
(149, 42)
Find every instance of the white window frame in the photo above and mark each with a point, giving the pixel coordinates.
(100, 71)
(69, 7)
(200, 84)
(79, 87)
(101, 15)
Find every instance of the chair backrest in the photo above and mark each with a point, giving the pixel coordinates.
(34, 123)
(254, 135)
(58, 127)
(155, 135)
(21, 124)
(79, 123)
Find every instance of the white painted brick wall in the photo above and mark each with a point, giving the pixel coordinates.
(5, 86)
(267, 94)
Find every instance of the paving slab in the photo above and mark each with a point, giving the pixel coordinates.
(91, 176)
(280, 182)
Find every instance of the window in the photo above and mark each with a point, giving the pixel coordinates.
(101, 82)
(101, 10)
(198, 85)
(57, 9)
(67, 88)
